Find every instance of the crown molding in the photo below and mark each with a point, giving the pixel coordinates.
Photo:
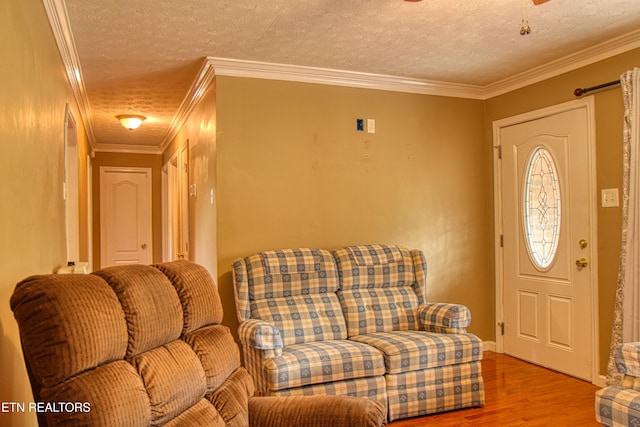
(59, 22)
(212, 66)
(198, 88)
(297, 73)
(571, 62)
(128, 148)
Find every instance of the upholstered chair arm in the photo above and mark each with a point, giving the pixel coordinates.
(444, 318)
(315, 411)
(260, 335)
(627, 359)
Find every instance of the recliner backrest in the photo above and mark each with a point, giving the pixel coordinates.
(293, 289)
(381, 287)
(139, 345)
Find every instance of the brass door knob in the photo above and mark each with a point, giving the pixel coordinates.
(582, 262)
(583, 244)
(143, 246)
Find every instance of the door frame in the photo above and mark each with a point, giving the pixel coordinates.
(589, 104)
(175, 196)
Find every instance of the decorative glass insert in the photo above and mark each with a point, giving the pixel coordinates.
(542, 208)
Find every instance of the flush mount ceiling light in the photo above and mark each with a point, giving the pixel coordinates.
(131, 121)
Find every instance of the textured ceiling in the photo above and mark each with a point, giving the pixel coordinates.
(142, 56)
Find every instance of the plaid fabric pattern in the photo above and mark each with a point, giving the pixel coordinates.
(369, 266)
(282, 273)
(259, 335)
(618, 407)
(627, 359)
(304, 303)
(241, 290)
(381, 287)
(435, 390)
(303, 318)
(375, 310)
(631, 382)
(371, 387)
(290, 272)
(406, 351)
(444, 318)
(322, 362)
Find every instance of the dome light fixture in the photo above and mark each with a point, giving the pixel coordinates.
(131, 121)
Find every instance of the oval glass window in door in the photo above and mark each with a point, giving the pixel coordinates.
(542, 210)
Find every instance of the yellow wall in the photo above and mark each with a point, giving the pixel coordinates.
(199, 131)
(153, 161)
(288, 169)
(32, 218)
(609, 113)
(293, 171)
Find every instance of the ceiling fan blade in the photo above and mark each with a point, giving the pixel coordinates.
(537, 2)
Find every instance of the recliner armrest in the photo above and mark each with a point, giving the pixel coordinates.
(260, 335)
(627, 358)
(444, 318)
(315, 411)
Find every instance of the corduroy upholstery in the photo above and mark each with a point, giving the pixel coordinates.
(355, 321)
(143, 345)
(619, 405)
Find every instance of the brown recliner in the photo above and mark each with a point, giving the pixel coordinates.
(143, 345)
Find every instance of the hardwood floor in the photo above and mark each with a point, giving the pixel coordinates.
(518, 393)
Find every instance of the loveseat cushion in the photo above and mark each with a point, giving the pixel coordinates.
(406, 351)
(292, 289)
(381, 287)
(617, 406)
(303, 318)
(290, 272)
(627, 358)
(322, 362)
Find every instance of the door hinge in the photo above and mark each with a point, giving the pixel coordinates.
(499, 147)
(502, 240)
(501, 324)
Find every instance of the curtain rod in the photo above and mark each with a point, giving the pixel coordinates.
(580, 92)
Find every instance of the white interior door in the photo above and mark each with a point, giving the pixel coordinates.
(547, 258)
(125, 216)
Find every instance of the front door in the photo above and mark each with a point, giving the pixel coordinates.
(548, 239)
(125, 216)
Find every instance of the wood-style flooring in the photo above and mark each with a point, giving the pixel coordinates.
(518, 393)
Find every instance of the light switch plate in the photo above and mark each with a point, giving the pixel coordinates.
(610, 198)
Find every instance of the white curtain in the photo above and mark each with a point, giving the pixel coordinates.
(626, 324)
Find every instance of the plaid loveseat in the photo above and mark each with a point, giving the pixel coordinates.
(619, 405)
(355, 322)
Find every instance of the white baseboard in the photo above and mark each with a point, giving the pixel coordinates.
(489, 346)
(601, 381)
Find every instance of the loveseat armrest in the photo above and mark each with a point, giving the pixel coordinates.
(260, 335)
(444, 318)
(315, 411)
(627, 358)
